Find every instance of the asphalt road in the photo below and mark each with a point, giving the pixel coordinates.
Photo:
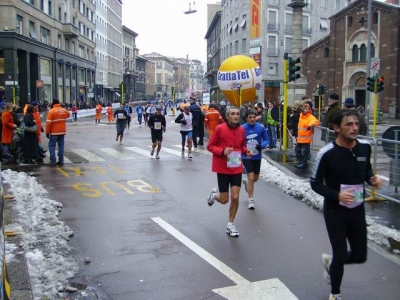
(149, 233)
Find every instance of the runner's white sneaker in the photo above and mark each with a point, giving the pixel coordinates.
(157, 156)
(245, 184)
(335, 297)
(183, 154)
(251, 204)
(230, 228)
(190, 155)
(211, 199)
(326, 262)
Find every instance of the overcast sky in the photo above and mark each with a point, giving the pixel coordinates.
(164, 28)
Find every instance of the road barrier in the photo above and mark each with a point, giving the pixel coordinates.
(4, 285)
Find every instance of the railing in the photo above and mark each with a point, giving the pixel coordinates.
(385, 160)
(273, 26)
(307, 30)
(274, 2)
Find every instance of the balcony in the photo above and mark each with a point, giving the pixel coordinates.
(70, 30)
(273, 27)
(307, 30)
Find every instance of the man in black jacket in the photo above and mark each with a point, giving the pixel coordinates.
(341, 169)
(198, 122)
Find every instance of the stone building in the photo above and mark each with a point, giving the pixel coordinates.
(339, 61)
(47, 49)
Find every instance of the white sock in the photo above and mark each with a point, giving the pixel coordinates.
(229, 223)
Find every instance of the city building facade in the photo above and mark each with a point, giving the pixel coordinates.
(213, 37)
(129, 45)
(164, 74)
(197, 81)
(339, 61)
(101, 51)
(47, 50)
(181, 77)
(263, 30)
(150, 73)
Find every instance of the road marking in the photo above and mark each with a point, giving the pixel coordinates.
(46, 160)
(117, 154)
(272, 289)
(170, 151)
(87, 155)
(139, 151)
(194, 150)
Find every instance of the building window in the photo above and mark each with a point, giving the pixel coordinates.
(337, 4)
(73, 47)
(323, 3)
(363, 53)
(67, 45)
(81, 75)
(42, 5)
(73, 21)
(59, 14)
(306, 27)
(288, 22)
(49, 4)
(244, 46)
(45, 35)
(305, 43)
(350, 22)
(375, 18)
(81, 51)
(323, 25)
(288, 44)
(32, 31)
(326, 52)
(354, 56)
(59, 41)
(372, 50)
(272, 69)
(19, 24)
(272, 20)
(236, 47)
(272, 47)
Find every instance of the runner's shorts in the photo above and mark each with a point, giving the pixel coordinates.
(252, 165)
(185, 134)
(224, 180)
(120, 127)
(156, 135)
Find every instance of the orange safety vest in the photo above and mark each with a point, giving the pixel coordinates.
(304, 136)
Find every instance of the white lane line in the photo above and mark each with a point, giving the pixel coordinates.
(195, 150)
(117, 154)
(87, 155)
(139, 151)
(219, 265)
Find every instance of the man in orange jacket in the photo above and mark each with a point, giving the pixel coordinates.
(307, 122)
(56, 129)
(98, 109)
(110, 116)
(212, 119)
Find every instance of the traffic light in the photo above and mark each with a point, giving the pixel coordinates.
(371, 84)
(238, 89)
(172, 91)
(121, 87)
(321, 89)
(293, 69)
(18, 91)
(381, 84)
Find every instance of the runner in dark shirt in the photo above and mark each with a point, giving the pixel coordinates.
(157, 126)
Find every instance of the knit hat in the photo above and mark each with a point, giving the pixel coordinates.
(334, 96)
(349, 102)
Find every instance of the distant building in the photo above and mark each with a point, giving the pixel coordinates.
(339, 60)
(47, 48)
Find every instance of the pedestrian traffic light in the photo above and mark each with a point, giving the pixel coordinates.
(321, 89)
(371, 84)
(18, 92)
(381, 84)
(293, 68)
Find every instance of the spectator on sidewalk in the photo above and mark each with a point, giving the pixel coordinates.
(272, 126)
(74, 110)
(307, 122)
(212, 119)
(98, 110)
(334, 108)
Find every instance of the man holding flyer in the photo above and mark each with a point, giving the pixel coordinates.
(341, 169)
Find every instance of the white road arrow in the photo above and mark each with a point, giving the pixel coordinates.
(272, 289)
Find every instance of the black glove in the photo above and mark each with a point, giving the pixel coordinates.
(164, 129)
(48, 135)
(258, 148)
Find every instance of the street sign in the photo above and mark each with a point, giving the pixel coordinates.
(375, 66)
(206, 98)
(39, 84)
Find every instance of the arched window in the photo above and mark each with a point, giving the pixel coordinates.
(350, 22)
(375, 18)
(363, 53)
(354, 54)
(372, 50)
(326, 52)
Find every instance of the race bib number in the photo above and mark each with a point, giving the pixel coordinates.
(120, 115)
(157, 125)
(234, 159)
(358, 192)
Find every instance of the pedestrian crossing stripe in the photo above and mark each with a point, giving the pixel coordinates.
(89, 156)
(117, 154)
(124, 156)
(195, 150)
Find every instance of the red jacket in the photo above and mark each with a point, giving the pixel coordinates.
(8, 128)
(223, 137)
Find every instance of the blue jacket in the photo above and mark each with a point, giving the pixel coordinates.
(255, 135)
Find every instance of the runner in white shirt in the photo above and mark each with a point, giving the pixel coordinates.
(186, 120)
